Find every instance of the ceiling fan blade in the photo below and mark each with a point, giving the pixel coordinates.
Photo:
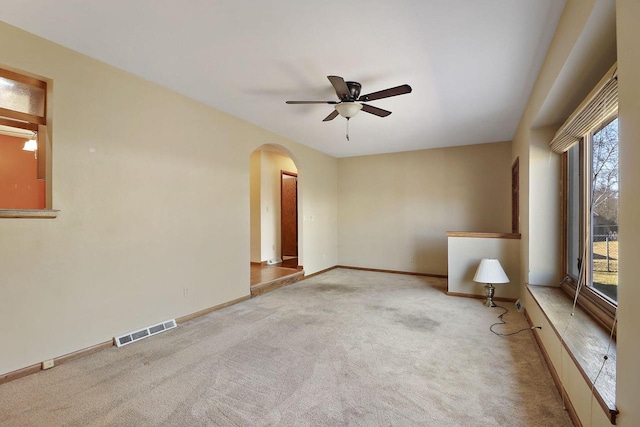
(312, 102)
(394, 91)
(331, 116)
(375, 110)
(341, 87)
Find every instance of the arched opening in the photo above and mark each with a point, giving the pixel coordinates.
(275, 210)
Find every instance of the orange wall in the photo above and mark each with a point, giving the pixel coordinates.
(19, 187)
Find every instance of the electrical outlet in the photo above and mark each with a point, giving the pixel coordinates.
(47, 364)
(185, 292)
(519, 305)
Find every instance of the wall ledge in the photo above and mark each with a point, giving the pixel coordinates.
(483, 235)
(29, 213)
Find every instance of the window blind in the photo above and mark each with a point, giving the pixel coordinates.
(600, 104)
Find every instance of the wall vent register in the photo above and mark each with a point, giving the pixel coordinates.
(134, 336)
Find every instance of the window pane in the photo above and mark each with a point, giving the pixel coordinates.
(573, 210)
(21, 97)
(604, 216)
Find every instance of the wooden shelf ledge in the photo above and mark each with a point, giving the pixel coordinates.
(29, 213)
(483, 235)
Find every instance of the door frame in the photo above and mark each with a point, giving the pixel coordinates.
(515, 196)
(295, 175)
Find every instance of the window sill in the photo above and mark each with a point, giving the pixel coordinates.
(29, 213)
(599, 307)
(585, 340)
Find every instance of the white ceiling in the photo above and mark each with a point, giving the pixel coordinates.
(472, 64)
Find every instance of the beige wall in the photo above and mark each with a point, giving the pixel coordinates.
(465, 254)
(544, 216)
(395, 209)
(628, 386)
(153, 191)
(318, 214)
(254, 205)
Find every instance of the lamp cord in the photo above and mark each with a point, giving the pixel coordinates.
(502, 322)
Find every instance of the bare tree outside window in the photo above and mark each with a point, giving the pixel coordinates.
(604, 214)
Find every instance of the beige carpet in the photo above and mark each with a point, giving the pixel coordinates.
(343, 348)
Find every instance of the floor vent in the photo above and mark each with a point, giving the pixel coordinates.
(143, 333)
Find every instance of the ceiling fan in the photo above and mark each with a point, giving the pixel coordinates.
(350, 100)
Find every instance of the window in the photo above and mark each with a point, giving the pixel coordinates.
(589, 143)
(591, 226)
(23, 141)
(604, 214)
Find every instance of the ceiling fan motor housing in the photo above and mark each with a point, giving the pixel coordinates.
(354, 90)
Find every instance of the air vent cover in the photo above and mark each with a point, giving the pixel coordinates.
(145, 332)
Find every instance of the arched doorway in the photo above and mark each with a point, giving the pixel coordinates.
(275, 209)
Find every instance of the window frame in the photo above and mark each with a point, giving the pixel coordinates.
(515, 196)
(597, 305)
(41, 125)
(21, 117)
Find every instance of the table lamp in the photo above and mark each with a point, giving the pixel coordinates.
(490, 271)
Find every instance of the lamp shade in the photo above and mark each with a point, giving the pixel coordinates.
(490, 271)
(348, 109)
(30, 145)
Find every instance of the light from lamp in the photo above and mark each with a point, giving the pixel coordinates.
(30, 145)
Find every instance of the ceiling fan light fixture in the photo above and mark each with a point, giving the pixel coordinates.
(348, 109)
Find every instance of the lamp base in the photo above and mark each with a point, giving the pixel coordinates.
(489, 290)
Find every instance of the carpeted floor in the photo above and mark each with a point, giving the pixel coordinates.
(342, 348)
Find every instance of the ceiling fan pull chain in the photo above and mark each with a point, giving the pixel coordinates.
(347, 128)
